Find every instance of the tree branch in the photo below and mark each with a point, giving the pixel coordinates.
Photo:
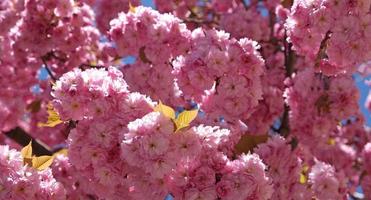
(284, 129)
(85, 66)
(47, 68)
(22, 138)
(289, 57)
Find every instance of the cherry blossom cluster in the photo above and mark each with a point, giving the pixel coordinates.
(270, 107)
(296, 177)
(366, 180)
(318, 103)
(326, 183)
(154, 39)
(149, 35)
(331, 32)
(109, 9)
(229, 70)
(22, 182)
(329, 101)
(91, 93)
(15, 93)
(189, 164)
(99, 99)
(150, 152)
(209, 50)
(178, 8)
(9, 14)
(284, 173)
(75, 184)
(60, 34)
(238, 24)
(157, 81)
(275, 111)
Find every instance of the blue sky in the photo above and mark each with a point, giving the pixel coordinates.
(148, 3)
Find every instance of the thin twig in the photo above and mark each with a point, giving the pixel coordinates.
(47, 68)
(84, 66)
(284, 129)
(322, 49)
(289, 57)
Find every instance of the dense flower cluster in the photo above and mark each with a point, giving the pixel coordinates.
(147, 33)
(150, 151)
(219, 99)
(59, 30)
(318, 103)
(14, 97)
(91, 93)
(9, 14)
(154, 39)
(336, 47)
(229, 70)
(238, 23)
(284, 172)
(326, 184)
(94, 147)
(189, 164)
(60, 34)
(22, 182)
(109, 9)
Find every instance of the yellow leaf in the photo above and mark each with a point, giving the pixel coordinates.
(93, 63)
(117, 62)
(61, 152)
(26, 153)
(185, 118)
(42, 162)
(53, 118)
(303, 178)
(165, 110)
(131, 8)
(303, 175)
(331, 141)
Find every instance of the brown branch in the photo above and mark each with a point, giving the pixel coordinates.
(22, 138)
(322, 49)
(85, 66)
(289, 57)
(284, 129)
(44, 59)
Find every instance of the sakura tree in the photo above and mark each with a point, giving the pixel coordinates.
(194, 99)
